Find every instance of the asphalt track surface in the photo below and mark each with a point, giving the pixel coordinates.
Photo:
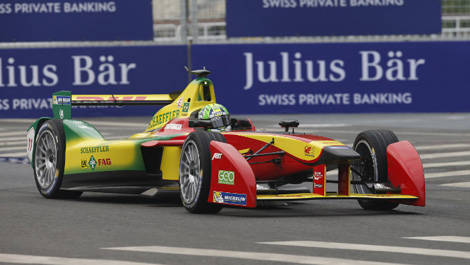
(117, 229)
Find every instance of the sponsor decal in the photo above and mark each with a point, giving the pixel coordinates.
(176, 127)
(186, 107)
(319, 178)
(61, 100)
(94, 149)
(226, 177)
(308, 150)
(30, 139)
(229, 198)
(92, 163)
(113, 98)
(104, 162)
(83, 163)
(217, 156)
(218, 197)
(179, 103)
(164, 117)
(317, 175)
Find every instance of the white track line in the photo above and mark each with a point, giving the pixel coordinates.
(445, 154)
(13, 138)
(375, 248)
(457, 185)
(10, 143)
(447, 164)
(15, 148)
(262, 256)
(454, 239)
(456, 173)
(28, 259)
(21, 154)
(440, 146)
(16, 133)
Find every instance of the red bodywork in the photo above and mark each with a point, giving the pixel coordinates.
(405, 170)
(244, 184)
(405, 167)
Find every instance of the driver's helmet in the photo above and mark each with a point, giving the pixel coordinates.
(218, 115)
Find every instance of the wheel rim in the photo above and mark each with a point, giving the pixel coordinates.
(45, 159)
(190, 173)
(366, 167)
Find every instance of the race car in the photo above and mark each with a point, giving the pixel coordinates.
(193, 146)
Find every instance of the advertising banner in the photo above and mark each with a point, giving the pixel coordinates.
(251, 78)
(28, 77)
(277, 18)
(340, 78)
(75, 20)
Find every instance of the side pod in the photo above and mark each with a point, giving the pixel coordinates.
(405, 170)
(232, 179)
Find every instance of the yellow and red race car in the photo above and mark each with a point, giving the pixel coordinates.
(191, 144)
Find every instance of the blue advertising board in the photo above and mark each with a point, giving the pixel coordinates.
(251, 78)
(28, 77)
(341, 77)
(279, 18)
(75, 20)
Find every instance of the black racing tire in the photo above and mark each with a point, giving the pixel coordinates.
(195, 172)
(373, 166)
(218, 137)
(49, 161)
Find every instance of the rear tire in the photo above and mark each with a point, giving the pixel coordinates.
(195, 172)
(49, 160)
(373, 166)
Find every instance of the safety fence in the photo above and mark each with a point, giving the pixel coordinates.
(204, 21)
(399, 73)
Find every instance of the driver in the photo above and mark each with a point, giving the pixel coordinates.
(218, 115)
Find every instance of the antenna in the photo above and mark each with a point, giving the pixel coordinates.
(198, 73)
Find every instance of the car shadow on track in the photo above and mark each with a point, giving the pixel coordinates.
(306, 209)
(264, 210)
(161, 200)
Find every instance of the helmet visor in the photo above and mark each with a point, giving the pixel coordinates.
(220, 121)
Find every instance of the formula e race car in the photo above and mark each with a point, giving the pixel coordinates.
(192, 145)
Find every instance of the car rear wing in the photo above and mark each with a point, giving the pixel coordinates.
(62, 101)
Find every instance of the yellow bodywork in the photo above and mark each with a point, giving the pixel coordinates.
(191, 99)
(312, 196)
(170, 162)
(87, 151)
(107, 156)
(294, 147)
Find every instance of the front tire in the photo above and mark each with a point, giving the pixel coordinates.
(49, 160)
(373, 166)
(195, 172)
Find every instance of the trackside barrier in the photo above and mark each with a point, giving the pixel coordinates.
(248, 78)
